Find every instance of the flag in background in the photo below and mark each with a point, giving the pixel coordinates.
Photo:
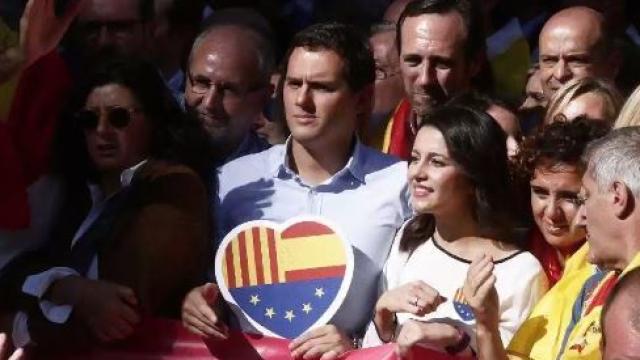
(285, 281)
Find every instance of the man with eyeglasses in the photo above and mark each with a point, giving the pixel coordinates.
(228, 86)
(388, 90)
(113, 26)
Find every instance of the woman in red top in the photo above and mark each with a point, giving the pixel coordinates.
(551, 161)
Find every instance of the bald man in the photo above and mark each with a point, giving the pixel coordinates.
(228, 86)
(621, 319)
(574, 44)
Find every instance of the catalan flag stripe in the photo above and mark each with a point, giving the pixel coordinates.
(231, 279)
(273, 256)
(257, 251)
(244, 263)
(251, 265)
(235, 246)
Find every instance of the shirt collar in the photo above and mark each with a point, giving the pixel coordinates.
(354, 166)
(127, 174)
(250, 144)
(126, 177)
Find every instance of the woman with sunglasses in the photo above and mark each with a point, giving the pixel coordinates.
(459, 186)
(133, 235)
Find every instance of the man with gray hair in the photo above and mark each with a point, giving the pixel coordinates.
(610, 211)
(611, 194)
(228, 84)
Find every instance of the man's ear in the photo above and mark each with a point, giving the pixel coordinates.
(622, 200)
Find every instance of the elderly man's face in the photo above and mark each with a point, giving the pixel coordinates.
(225, 89)
(114, 25)
(597, 215)
(388, 85)
(432, 59)
(570, 50)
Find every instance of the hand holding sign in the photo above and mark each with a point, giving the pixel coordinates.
(201, 315)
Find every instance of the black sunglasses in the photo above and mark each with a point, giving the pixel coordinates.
(118, 117)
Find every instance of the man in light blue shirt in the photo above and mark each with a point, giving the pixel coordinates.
(322, 170)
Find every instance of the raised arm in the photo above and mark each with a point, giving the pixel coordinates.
(480, 291)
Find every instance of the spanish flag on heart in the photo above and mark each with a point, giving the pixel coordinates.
(285, 281)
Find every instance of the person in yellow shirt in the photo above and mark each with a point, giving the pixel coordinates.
(566, 323)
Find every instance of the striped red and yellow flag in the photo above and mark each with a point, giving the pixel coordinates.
(261, 255)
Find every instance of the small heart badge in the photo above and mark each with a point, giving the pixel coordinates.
(285, 279)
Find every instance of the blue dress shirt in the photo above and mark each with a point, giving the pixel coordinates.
(368, 199)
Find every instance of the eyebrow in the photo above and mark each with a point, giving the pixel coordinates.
(566, 193)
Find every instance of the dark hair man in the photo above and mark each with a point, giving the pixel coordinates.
(441, 45)
(120, 26)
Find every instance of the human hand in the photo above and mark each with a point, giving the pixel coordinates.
(415, 297)
(325, 343)
(4, 348)
(108, 309)
(480, 292)
(434, 335)
(41, 30)
(198, 314)
(10, 63)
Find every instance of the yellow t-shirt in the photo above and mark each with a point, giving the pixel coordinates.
(541, 335)
(584, 340)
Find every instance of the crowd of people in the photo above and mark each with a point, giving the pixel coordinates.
(482, 161)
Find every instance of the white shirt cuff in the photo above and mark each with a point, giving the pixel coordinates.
(38, 285)
(20, 334)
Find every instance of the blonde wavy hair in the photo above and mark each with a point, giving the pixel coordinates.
(630, 113)
(576, 87)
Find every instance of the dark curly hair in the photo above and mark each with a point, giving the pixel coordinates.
(477, 144)
(174, 137)
(557, 143)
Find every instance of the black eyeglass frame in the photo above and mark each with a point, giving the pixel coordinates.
(118, 117)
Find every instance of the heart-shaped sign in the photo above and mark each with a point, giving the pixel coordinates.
(285, 278)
